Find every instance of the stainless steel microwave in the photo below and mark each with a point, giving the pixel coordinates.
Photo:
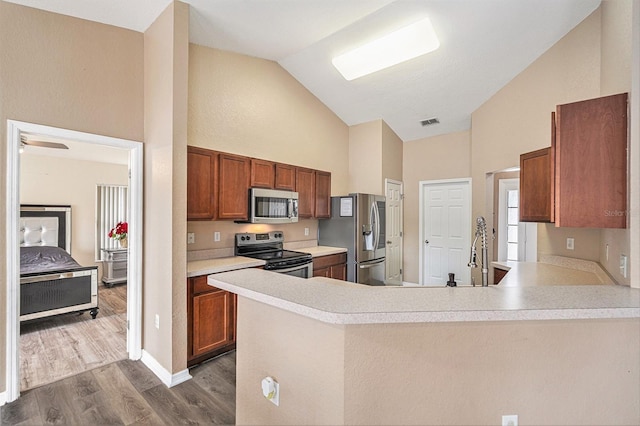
(272, 206)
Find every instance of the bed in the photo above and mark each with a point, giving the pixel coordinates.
(51, 281)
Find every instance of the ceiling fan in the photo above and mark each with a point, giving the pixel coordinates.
(40, 143)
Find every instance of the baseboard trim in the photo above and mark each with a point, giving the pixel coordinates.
(165, 376)
(3, 398)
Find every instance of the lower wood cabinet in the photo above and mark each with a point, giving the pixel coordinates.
(498, 275)
(211, 320)
(331, 266)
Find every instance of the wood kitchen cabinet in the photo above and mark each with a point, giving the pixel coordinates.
(211, 320)
(331, 266)
(202, 183)
(536, 186)
(581, 181)
(498, 275)
(262, 174)
(306, 188)
(591, 163)
(285, 177)
(323, 195)
(233, 181)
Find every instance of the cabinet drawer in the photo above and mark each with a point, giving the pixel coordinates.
(200, 285)
(330, 260)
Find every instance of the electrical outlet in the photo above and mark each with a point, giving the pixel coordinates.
(157, 321)
(623, 265)
(191, 238)
(306, 232)
(216, 236)
(606, 252)
(570, 243)
(510, 420)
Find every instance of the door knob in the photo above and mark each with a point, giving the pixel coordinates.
(426, 241)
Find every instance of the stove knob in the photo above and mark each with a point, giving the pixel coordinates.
(243, 238)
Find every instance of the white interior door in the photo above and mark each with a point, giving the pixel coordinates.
(393, 228)
(445, 216)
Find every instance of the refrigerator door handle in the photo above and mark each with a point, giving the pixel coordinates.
(377, 219)
(370, 264)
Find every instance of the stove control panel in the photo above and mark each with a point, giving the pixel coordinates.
(250, 238)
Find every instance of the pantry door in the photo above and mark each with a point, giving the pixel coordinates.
(445, 219)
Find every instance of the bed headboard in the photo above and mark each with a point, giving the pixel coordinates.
(42, 225)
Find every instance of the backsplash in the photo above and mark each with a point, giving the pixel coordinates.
(205, 247)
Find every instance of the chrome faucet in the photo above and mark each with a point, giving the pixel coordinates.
(481, 232)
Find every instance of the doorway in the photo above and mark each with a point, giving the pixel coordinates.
(15, 130)
(445, 231)
(393, 230)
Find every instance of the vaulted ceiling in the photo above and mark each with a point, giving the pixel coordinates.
(483, 45)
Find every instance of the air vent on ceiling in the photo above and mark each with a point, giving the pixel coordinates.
(430, 121)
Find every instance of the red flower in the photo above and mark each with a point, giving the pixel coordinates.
(120, 231)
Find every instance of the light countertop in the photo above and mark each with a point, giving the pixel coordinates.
(340, 302)
(553, 270)
(222, 264)
(318, 251)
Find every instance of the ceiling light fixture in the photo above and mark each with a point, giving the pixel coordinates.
(401, 45)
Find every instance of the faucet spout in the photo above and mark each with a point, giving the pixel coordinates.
(481, 232)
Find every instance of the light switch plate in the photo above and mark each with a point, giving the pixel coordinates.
(570, 244)
(216, 237)
(191, 238)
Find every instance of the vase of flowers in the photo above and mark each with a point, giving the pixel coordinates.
(119, 232)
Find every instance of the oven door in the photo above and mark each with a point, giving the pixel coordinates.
(300, 271)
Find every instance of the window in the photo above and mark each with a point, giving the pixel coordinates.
(112, 206)
(516, 241)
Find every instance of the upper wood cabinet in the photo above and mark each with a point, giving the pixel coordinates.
(591, 163)
(306, 188)
(218, 185)
(202, 183)
(285, 177)
(536, 186)
(234, 176)
(323, 195)
(262, 174)
(581, 181)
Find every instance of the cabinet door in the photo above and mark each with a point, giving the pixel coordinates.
(339, 272)
(498, 275)
(536, 183)
(262, 174)
(306, 188)
(322, 272)
(323, 195)
(591, 163)
(285, 177)
(233, 186)
(202, 185)
(212, 321)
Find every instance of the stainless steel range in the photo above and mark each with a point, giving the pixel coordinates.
(268, 246)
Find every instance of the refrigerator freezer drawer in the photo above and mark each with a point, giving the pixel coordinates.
(371, 273)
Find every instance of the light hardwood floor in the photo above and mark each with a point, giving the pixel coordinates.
(126, 393)
(62, 346)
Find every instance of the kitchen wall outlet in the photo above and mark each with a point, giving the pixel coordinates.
(306, 232)
(216, 236)
(271, 390)
(570, 244)
(157, 321)
(191, 238)
(623, 265)
(510, 420)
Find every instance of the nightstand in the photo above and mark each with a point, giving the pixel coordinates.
(114, 269)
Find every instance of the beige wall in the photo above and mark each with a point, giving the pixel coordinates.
(517, 119)
(392, 147)
(305, 356)
(45, 180)
(65, 72)
(165, 71)
(250, 106)
(440, 157)
(546, 372)
(615, 77)
(365, 157)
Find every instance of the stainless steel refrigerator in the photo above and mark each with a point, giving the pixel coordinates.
(358, 224)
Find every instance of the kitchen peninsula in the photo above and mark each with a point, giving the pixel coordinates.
(350, 354)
